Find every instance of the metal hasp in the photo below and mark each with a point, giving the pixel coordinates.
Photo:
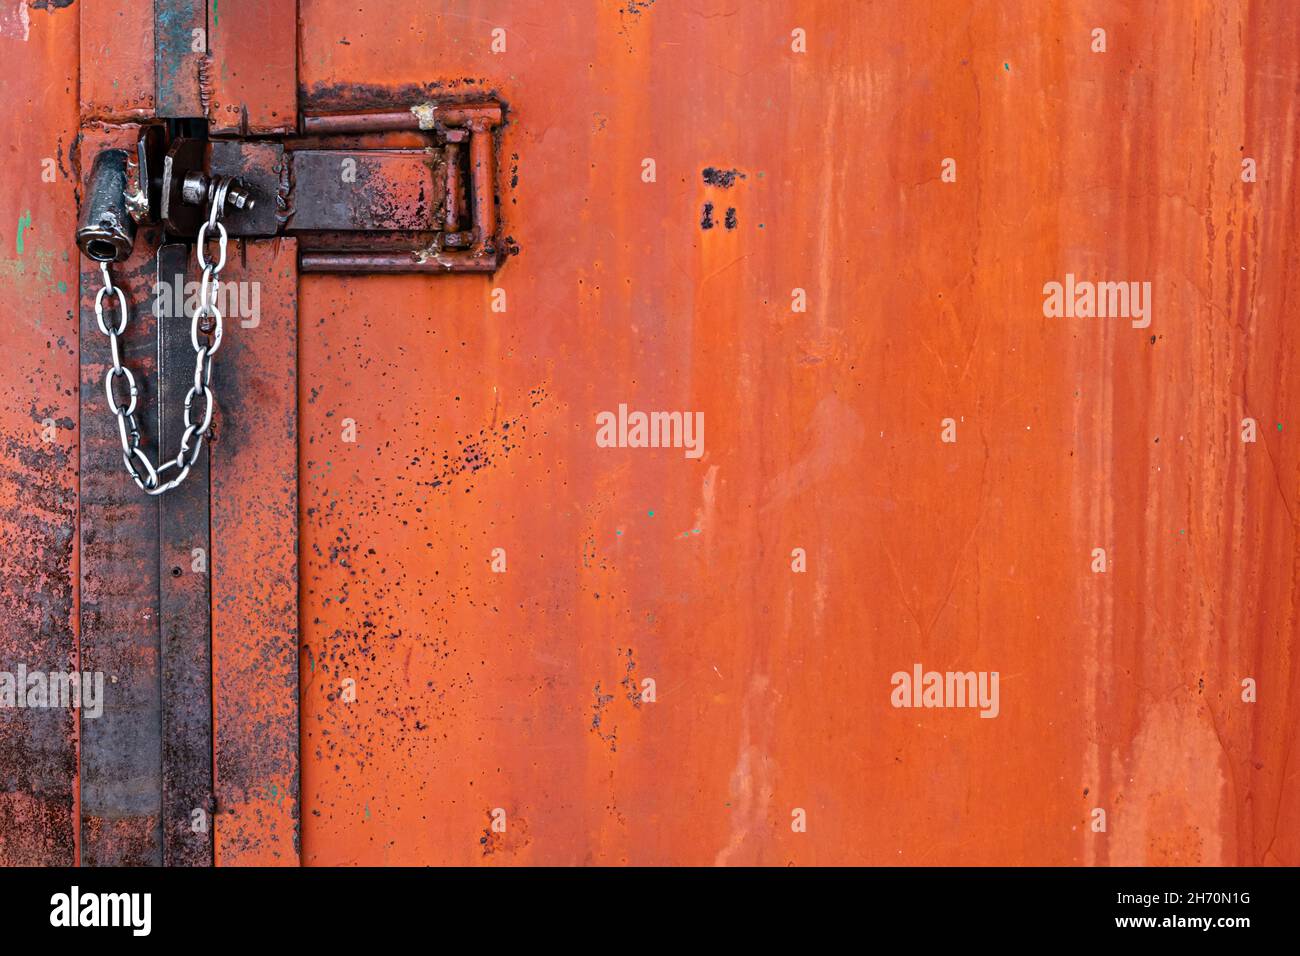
(107, 231)
(455, 249)
(357, 210)
(186, 190)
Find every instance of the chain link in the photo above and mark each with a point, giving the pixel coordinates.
(205, 336)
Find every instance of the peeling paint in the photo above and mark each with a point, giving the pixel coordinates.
(15, 21)
(24, 223)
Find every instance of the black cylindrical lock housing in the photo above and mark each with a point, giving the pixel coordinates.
(107, 231)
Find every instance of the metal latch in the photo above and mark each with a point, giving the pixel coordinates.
(425, 204)
(351, 207)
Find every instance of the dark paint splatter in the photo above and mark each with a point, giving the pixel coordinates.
(722, 178)
(598, 708)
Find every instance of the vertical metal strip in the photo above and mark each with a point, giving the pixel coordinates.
(180, 26)
(38, 440)
(253, 67)
(121, 749)
(117, 59)
(255, 560)
(184, 556)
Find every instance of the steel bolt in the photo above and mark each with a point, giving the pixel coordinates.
(196, 186)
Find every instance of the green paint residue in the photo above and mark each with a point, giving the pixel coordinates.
(367, 811)
(216, 15)
(24, 222)
(62, 286)
(1007, 67)
(650, 513)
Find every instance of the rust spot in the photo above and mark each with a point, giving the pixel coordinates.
(610, 735)
(722, 178)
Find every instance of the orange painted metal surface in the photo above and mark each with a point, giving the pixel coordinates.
(255, 564)
(482, 590)
(475, 430)
(252, 81)
(38, 424)
(117, 58)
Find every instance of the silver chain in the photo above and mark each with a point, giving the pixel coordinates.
(128, 427)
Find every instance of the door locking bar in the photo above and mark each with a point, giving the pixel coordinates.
(357, 210)
(457, 249)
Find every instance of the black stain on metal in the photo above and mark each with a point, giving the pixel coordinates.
(37, 540)
(598, 710)
(184, 601)
(121, 765)
(722, 178)
(629, 14)
(345, 97)
(706, 220)
(630, 686)
(730, 220)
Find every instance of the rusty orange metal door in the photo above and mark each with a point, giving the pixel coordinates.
(852, 213)
(967, 534)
